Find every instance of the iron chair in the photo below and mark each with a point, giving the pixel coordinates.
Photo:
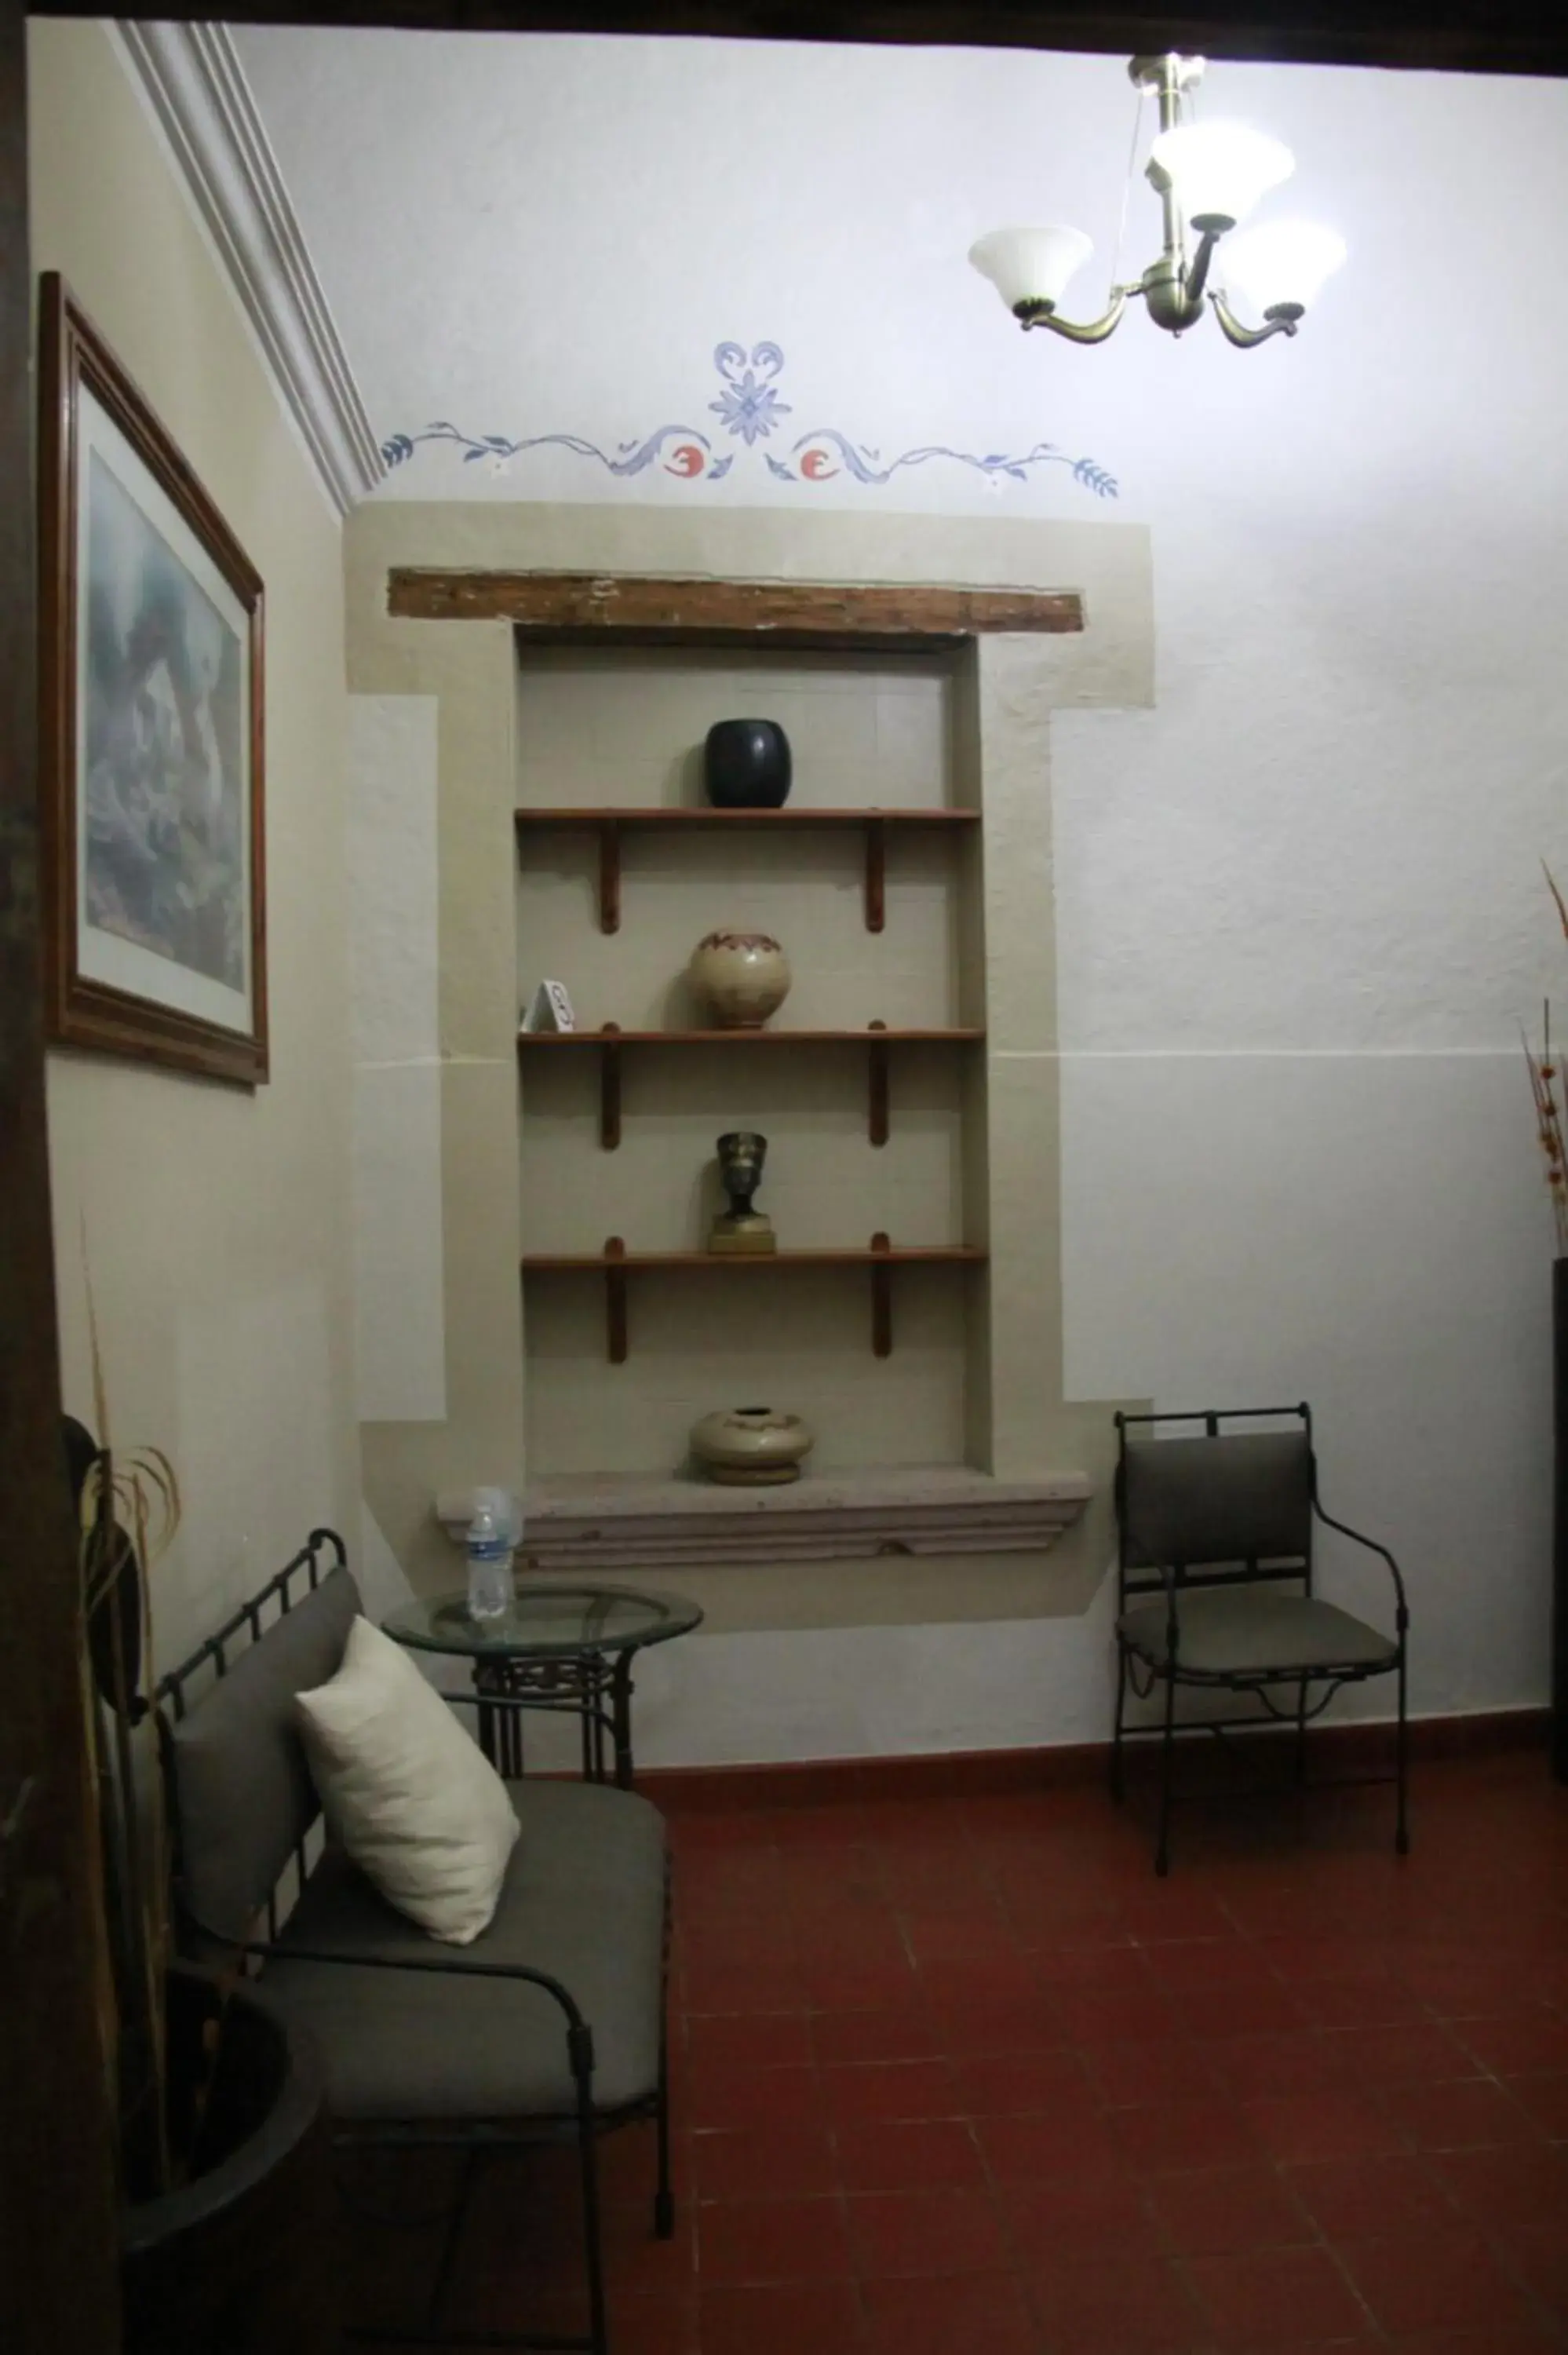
(1215, 1589)
(550, 2030)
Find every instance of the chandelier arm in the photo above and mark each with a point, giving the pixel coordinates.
(1283, 322)
(1198, 268)
(1088, 330)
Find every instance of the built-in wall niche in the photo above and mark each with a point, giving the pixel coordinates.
(622, 729)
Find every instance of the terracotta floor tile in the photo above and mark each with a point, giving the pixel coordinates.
(1140, 2306)
(1377, 2000)
(1150, 2069)
(1212, 2210)
(889, 2089)
(1392, 2040)
(1175, 1910)
(1163, 2137)
(1497, 2339)
(1519, 2187)
(1476, 2112)
(885, 2033)
(1019, 2024)
(894, 2232)
(1070, 2139)
(1361, 2199)
(965, 2314)
(711, 1985)
(1092, 2015)
(637, 2260)
(1467, 1982)
(1103, 1965)
(745, 2241)
(1398, 2052)
(746, 2097)
(1292, 2060)
(954, 1982)
(1079, 2217)
(740, 2039)
(651, 2325)
(1275, 2297)
(1328, 2125)
(1218, 1961)
(982, 1928)
(882, 2155)
(1535, 2037)
(866, 1985)
(1261, 2007)
(998, 2084)
(1429, 2282)
(826, 2318)
(756, 2162)
(1544, 2094)
(1539, 2255)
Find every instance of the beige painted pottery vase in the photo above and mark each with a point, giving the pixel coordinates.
(744, 977)
(751, 1446)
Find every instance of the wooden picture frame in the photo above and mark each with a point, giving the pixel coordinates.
(151, 751)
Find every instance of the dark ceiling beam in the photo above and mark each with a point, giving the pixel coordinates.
(1518, 36)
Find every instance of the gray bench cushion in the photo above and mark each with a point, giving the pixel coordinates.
(242, 1789)
(1244, 1631)
(583, 1899)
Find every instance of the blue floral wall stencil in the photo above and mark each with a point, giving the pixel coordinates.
(751, 409)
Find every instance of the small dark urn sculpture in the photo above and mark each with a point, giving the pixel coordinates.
(746, 765)
(741, 1154)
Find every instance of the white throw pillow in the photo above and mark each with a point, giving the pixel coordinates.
(406, 1793)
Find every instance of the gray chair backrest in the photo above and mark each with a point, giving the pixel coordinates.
(243, 1795)
(1243, 1497)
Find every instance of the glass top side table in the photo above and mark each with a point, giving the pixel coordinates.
(567, 1650)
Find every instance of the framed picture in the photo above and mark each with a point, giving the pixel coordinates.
(151, 751)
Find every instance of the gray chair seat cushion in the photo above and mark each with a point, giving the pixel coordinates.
(583, 1899)
(1250, 1630)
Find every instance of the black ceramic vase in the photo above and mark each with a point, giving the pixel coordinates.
(746, 764)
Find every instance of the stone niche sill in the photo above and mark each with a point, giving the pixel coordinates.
(591, 1523)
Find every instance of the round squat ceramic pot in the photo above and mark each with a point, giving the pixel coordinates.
(744, 976)
(747, 764)
(751, 1446)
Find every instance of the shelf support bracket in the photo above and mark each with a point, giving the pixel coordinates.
(609, 1087)
(876, 1107)
(609, 876)
(881, 1301)
(615, 1299)
(875, 875)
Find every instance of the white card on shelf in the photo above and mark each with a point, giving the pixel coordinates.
(550, 1008)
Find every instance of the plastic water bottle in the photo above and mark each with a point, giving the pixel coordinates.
(489, 1562)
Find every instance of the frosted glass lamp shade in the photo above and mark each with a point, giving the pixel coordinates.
(1282, 263)
(1030, 266)
(1219, 170)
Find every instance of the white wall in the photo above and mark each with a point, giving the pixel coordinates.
(213, 1220)
(1298, 903)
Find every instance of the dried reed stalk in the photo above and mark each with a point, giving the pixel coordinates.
(143, 1488)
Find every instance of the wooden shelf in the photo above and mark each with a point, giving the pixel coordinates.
(610, 823)
(615, 1262)
(876, 1037)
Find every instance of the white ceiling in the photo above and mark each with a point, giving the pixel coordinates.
(543, 236)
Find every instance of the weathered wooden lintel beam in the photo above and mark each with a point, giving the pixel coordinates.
(585, 608)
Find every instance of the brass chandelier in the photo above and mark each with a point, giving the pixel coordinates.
(1208, 177)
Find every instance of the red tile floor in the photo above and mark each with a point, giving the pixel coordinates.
(958, 2075)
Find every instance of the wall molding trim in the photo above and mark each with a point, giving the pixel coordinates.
(581, 1524)
(1353, 1747)
(194, 78)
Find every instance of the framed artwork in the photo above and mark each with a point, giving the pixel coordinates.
(151, 734)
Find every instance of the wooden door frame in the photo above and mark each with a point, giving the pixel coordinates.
(57, 2227)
